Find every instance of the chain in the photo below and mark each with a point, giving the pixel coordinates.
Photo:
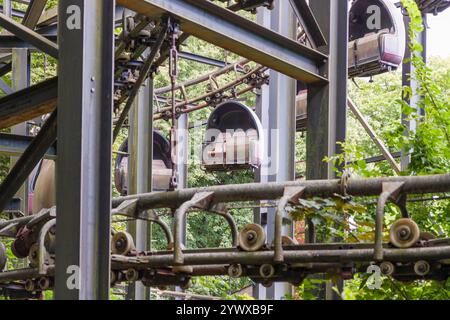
(173, 73)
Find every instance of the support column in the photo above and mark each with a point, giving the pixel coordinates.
(182, 157)
(327, 104)
(262, 174)
(277, 111)
(407, 70)
(182, 164)
(85, 103)
(140, 144)
(21, 80)
(7, 8)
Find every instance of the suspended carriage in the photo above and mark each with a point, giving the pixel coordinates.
(373, 49)
(161, 169)
(377, 38)
(233, 139)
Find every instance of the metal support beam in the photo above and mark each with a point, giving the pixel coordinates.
(408, 81)
(29, 35)
(5, 87)
(309, 23)
(27, 162)
(33, 13)
(15, 145)
(371, 132)
(262, 173)
(28, 103)
(267, 191)
(182, 144)
(140, 168)
(327, 105)
(282, 92)
(85, 104)
(21, 67)
(230, 31)
(11, 41)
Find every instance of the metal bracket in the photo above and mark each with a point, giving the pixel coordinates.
(10, 230)
(391, 191)
(126, 208)
(291, 195)
(201, 200)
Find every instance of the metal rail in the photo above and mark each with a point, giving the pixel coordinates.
(266, 191)
(290, 257)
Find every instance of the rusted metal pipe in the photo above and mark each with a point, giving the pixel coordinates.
(267, 191)
(166, 230)
(290, 257)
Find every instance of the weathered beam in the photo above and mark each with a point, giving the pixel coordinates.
(28, 35)
(292, 256)
(28, 161)
(309, 23)
(5, 87)
(15, 145)
(11, 41)
(230, 31)
(33, 13)
(29, 103)
(275, 190)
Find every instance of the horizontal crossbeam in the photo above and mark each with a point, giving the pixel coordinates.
(230, 31)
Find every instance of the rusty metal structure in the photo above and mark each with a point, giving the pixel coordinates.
(297, 58)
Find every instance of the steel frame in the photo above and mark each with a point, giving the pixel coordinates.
(226, 29)
(84, 149)
(84, 135)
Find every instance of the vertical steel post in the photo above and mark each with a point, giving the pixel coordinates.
(21, 80)
(7, 8)
(407, 81)
(262, 174)
(282, 92)
(182, 164)
(182, 155)
(140, 166)
(85, 103)
(327, 104)
(276, 109)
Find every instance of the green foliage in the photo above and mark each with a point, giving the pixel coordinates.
(429, 145)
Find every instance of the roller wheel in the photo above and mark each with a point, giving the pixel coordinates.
(44, 283)
(387, 268)
(30, 285)
(122, 243)
(422, 268)
(266, 271)
(404, 233)
(132, 275)
(252, 238)
(235, 271)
